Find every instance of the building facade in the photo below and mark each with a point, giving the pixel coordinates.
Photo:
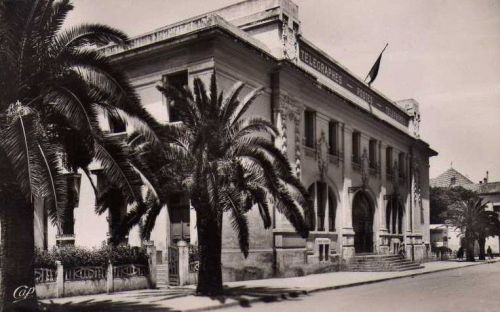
(358, 153)
(488, 191)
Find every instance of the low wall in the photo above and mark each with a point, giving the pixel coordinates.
(86, 287)
(131, 283)
(90, 280)
(258, 265)
(46, 290)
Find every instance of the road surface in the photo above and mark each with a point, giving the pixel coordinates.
(475, 288)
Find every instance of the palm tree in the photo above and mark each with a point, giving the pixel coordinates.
(53, 85)
(472, 219)
(489, 226)
(226, 164)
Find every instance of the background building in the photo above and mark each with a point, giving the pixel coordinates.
(488, 191)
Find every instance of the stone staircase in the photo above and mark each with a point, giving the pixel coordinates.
(380, 263)
(161, 275)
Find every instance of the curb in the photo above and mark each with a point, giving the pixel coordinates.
(297, 292)
(395, 277)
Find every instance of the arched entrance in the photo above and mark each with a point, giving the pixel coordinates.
(362, 222)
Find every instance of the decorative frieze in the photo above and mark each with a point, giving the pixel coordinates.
(290, 110)
(322, 155)
(417, 191)
(289, 41)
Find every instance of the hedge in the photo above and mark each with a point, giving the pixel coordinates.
(72, 256)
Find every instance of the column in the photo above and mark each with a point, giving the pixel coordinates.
(183, 262)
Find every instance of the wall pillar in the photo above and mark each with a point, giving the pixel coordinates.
(193, 231)
(59, 280)
(109, 278)
(183, 262)
(151, 251)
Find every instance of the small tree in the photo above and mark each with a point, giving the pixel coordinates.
(442, 197)
(475, 222)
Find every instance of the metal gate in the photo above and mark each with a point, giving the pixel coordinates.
(173, 266)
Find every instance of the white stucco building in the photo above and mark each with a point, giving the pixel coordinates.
(358, 152)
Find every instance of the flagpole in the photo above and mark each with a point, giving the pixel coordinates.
(377, 58)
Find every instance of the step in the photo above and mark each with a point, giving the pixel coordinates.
(380, 263)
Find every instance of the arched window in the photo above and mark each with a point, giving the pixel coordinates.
(320, 205)
(325, 205)
(332, 210)
(312, 193)
(394, 216)
(400, 219)
(388, 212)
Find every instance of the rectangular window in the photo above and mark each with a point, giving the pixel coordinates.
(333, 137)
(356, 141)
(402, 165)
(179, 81)
(373, 154)
(323, 251)
(388, 160)
(309, 128)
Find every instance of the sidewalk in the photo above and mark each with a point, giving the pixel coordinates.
(237, 293)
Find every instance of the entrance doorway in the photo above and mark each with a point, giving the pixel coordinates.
(362, 223)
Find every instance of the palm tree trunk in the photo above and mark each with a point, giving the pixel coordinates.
(469, 241)
(210, 247)
(482, 242)
(17, 284)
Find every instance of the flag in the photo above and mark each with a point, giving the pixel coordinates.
(374, 71)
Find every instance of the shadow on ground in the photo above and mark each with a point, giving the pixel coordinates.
(245, 295)
(105, 305)
(157, 300)
(148, 300)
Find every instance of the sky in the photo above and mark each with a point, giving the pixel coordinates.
(443, 53)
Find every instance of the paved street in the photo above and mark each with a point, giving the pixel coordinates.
(474, 288)
(444, 286)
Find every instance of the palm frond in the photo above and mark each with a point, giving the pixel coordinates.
(245, 105)
(87, 35)
(55, 195)
(230, 101)
(154, 210)
(239, 221)
(113, 156)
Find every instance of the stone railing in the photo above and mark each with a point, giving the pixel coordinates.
(129, 270)
(63, 282)
(44, 275)
(185, 27)
(84, 273)
(194, 259)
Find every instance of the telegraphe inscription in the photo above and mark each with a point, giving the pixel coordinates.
(334, 73)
